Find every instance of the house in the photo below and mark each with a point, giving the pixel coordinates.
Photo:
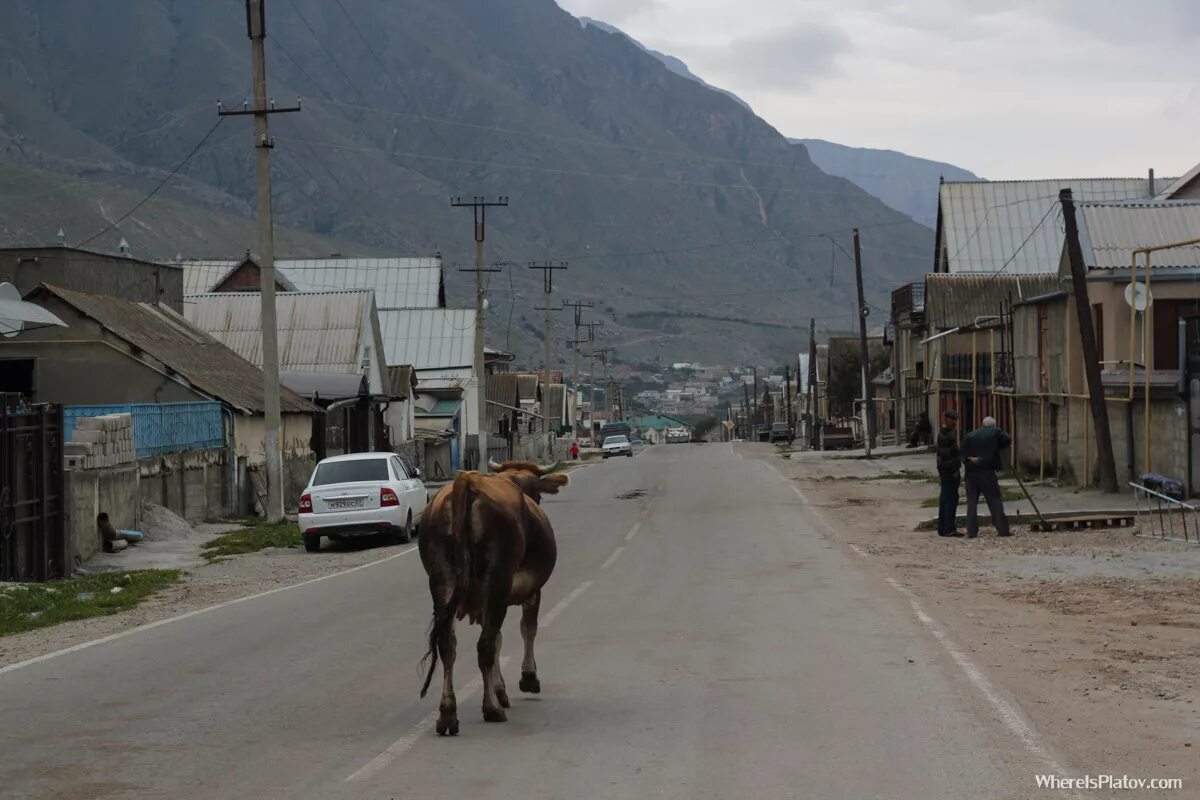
(397, 282)
(94, 273)
(133, 352)
(1150, 375)
(653, 429)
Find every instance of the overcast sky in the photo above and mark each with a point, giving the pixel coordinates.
(1018, 89)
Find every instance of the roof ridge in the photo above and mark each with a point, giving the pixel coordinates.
(1053, 179)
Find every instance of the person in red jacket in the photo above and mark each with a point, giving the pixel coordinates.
(574, 451)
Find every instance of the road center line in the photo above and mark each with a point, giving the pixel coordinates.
(1008, 713)
(421, 729)
(612, 558)
(562, 605)
(633, 531)
(405, 742)
(181, 617)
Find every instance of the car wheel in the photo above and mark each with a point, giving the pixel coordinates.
(629, 455)
(404, 535)
(312, 543)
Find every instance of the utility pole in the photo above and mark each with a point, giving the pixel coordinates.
(591, 329)
(479, 207)
(1091, 361)
(548, 269)
(574, 345)
(864, 311)
(579, 306)
(745, 411)
(256, 29)
(602, 353)
(787, 398)
(812, 382)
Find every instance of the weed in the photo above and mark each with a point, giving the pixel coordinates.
(26, 606)
(258, 536)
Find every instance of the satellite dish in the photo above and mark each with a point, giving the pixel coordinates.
(16, 314)
(1138, 297)
(9, 327)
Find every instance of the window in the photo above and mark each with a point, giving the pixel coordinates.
(356, 471)
(16, 376)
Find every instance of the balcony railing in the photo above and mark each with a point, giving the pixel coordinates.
(908, 299)
(958, 367)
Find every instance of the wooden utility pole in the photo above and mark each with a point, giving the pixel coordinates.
(256, 24)
(479, 207)
(548, 269)
(745, 411)
(577, 392)
(787, 397)
(578, 306)
(864, 311)
(812, 382)
(1091, 360)
(591, 329)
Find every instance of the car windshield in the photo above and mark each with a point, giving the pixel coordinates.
(356, 471)
(616, 440)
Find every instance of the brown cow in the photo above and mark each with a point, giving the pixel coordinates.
(486, 544)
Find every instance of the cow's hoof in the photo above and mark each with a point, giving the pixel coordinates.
(502, 698)
(494, 715)
(447, 727)
(530, 683)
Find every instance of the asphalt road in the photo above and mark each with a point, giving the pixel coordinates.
(700, 640)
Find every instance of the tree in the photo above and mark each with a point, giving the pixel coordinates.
(845, 381)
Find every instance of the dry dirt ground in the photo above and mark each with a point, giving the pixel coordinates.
(1095, 633)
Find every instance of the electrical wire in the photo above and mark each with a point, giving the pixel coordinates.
(155, 190)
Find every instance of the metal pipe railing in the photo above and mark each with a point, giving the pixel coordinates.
(1160, 516)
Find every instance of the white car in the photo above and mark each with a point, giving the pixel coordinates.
(617, 446)
(361, 494)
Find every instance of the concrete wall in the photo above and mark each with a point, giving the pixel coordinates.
(250, 431)
(89, 492)
(95, 273)
(195, 484)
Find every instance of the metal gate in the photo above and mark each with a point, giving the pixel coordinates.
(33, 545)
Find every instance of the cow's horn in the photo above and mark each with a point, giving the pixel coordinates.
(546, 469)
(494, 467)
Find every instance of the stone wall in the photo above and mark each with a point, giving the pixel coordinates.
(193, 484)
(89, 492)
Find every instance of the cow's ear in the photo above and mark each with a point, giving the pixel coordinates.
(551, 484)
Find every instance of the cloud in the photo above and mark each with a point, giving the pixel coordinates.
(786, 59)
(614, 12)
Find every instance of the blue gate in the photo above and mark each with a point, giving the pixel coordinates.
(161, 427)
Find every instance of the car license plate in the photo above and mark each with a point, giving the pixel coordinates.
(349, 502)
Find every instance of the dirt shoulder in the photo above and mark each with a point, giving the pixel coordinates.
(203, 586)
(1096, 633)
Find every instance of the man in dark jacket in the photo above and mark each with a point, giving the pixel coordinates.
(981, 454)
(948, 463)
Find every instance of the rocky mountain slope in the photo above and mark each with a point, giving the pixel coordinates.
(666, 197)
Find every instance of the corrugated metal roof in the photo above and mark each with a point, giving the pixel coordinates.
(955, 300)
(983, 223)
(318, 332)
(203, 361)
(397, 282)
(401, 380)
(429, 338)
(527, 386)
(1110, 232)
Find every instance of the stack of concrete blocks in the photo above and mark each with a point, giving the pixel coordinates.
(100, 442)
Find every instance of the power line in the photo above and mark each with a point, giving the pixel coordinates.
(160, 185)
(325, 50)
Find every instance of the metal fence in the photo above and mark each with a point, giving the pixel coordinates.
(160, 428)
(1163, 517)
(33, 544)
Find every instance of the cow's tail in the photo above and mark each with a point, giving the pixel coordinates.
(461, 498)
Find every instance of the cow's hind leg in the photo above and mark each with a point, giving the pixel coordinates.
(447, 724)
(501, 691)
(495, 606)
(529, 625)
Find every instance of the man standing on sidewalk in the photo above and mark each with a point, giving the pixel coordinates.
(981, 453)
(948, 463)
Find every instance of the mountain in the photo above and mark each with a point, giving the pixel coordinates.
(672, 63)
(904, 182)
(693, 225)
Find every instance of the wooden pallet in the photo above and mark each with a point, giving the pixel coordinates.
(1081, 522)
(258, 479)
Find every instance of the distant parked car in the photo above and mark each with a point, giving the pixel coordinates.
(781, 432)
(617, 446)
(362, 494)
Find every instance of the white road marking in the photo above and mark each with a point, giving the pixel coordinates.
(421, 729)
(633, 531)
(1008, 713)
(181, 617)
(800, 494)
(562, 604)
(858, 551)
(612, 558)
(405, 742)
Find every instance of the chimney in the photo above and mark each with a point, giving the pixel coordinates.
(1152, 192)
(124, 246)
